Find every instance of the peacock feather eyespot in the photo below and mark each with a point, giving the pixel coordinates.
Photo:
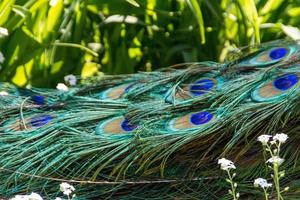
(116, 92)
(190, 121)
(129, 87)
(29, 123)
(118, 126)
(38, 99)
(201, 87)
(198, 88)
(201, 118)
(286, 81)
(269, 56)
(128, 126)
(272, 55)
(277, 53)
(273, 89)
(40, 120)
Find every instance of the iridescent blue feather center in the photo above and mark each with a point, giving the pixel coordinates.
(128, 126)
(201, 118)
(40, 120)
(277, 53)
(285, 82)
(201, 87)
(38, 99)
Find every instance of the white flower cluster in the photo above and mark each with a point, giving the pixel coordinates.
(70, 79)
(261, 182)
(264, 139)
(66, 188)
(226, 164)
(62, 87)
(272, 147)
(279, 138)
(32, 196)
(275, 160)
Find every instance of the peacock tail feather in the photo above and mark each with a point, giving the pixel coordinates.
(155, 135)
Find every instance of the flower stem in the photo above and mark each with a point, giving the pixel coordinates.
(232, 185)
(266, 194)
(276, 181)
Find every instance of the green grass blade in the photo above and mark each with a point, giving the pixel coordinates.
(134, 3)
(195, 7)
(76, 46)
(5, 9)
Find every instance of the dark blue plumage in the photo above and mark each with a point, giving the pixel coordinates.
(201, 118)
(278, 53)
(38, 99)
(40, 120)
(286, 81)
(201, 87)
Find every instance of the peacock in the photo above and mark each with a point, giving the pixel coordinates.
(155, 135)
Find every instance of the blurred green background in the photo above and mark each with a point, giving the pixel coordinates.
(41, 41)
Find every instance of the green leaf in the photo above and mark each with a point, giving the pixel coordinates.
(18, 19)
(21, 49)
(54, 14)
(195, 7)
(134, 3)
(76, 46)
(5, 9)
(294, 12)
(249, 10)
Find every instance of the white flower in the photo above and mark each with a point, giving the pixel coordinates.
(3, 93)
(35, 196)
(58, 198)
(70, 79)
(275, 160)
(2, 59)
(20, 197)
(262, 183)
(226, 164)
(32, 196)
(62, 87)
(281, 137)
(264, 139)
(3, 32)
(66, 188)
